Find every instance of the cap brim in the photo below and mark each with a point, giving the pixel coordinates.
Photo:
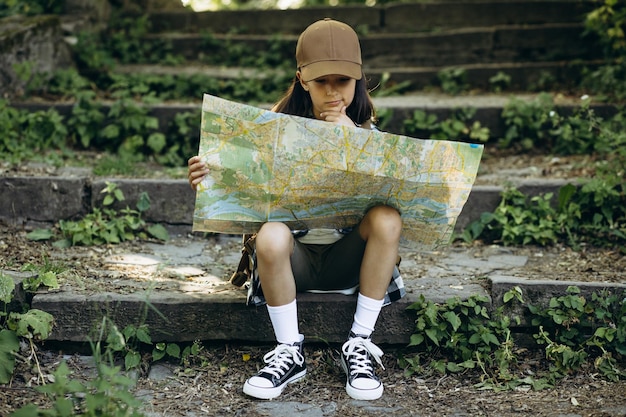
(323, 68)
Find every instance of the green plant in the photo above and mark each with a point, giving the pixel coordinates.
(131, 129)
(105, 395)
(453, 80)
(519, 220)
(30, 7)
(93, 60)
(30, 135)
(31, 80)
(67, 83)
(499, 82)
(44, 275)
(594, 213)
(125, 37)
(33, 325)
(459, 126)
(538, 125)
(85, 123)
(134, 338)
(574, 327)
(107, 225)
(463, 334)
(572, 331)
(230, 52)
(527, 123)
(607, 23)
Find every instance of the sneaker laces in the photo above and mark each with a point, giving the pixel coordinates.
(358, 351)
(280, 359)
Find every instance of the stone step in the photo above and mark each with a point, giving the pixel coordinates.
(204, 306)
(395, 17)
(524, 76)
(498, 44)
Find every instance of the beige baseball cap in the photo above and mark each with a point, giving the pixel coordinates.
(328, 47)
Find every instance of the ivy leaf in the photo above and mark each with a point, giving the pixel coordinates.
(29, 410)
(38, 321)
(173, 350)
(453, 367)
(143, 203)
(40, 234)
(143, 335)
(453, 319)
(159, 232)
(432, 335)
(9, 344)
(416, 339)
(132, 360)
(490, 338)
(49, 279)
(157, 142)
(7, 286)
(157, 354)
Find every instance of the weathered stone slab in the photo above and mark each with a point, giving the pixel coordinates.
(223, 316)
(482, 198)
(291, 21)
(412, 17)
(33, 42)
(41, 199)
(509, 44)
(539, 292)
(171, 201)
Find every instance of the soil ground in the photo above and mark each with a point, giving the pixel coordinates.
(210, 384)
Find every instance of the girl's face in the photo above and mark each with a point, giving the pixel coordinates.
(329, 93)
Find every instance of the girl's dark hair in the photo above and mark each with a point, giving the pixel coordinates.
(298, 102)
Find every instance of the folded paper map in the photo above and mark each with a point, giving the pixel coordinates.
(266, 166)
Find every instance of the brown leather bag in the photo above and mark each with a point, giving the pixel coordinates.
(246, 263)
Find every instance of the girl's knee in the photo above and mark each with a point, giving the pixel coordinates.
(384, 221)
(274, 239)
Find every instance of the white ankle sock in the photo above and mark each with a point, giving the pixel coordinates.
(285, 323)
(367, 311)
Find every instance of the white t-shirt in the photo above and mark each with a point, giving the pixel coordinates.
(321, 236)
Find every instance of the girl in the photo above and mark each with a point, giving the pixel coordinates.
(329, 85)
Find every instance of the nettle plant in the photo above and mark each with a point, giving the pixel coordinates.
(32, 325)
(539, 125)
(575, 328)
(459, 335)
(460, 126)
(106, 394)
(105, 225)
(575, 332)
(591, 211)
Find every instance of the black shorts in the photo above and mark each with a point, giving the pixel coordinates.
(335, 266)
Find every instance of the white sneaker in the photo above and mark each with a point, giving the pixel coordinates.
(356, 361)
(285, 364)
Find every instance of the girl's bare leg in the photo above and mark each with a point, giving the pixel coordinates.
(274, 246)
(380, 228)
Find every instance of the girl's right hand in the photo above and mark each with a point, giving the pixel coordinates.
(196, 171)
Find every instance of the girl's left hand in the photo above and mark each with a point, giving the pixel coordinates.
(338, 116)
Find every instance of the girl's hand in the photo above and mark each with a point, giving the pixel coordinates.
(338, 116)
(196, 171)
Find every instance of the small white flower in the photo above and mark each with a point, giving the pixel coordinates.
(584, 97)
(552, 113)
